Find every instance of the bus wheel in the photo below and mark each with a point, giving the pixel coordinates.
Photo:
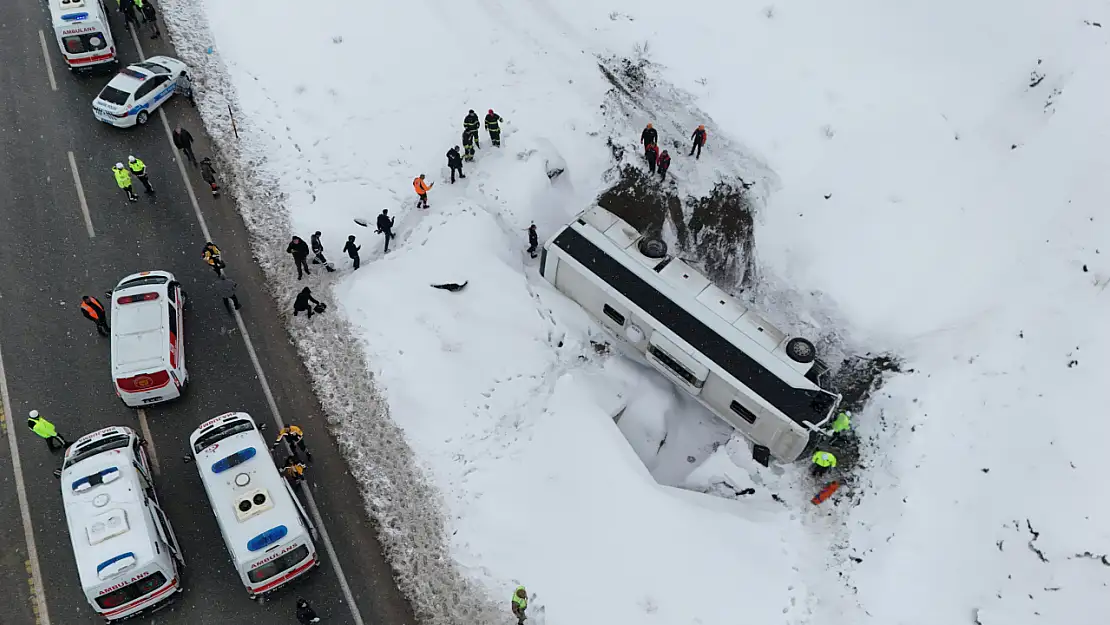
(801, 350)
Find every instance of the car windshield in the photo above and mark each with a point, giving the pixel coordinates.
(88, 450)
(154, 67)
(222, 432)
(113, 95)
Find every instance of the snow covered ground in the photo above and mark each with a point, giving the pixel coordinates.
(930, 181)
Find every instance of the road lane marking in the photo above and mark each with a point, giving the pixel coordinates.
(49, 66)
(144, 426)
(81, 194)
(39, 606)
(325, 538)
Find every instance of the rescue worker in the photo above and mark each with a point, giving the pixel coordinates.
(822, 462)
(45, 429)
(651, 152)
(454, 161)
(471, 125)
(520, 604)
(295, 437)
(663, 164)
(305, 614)
(421, 189)
(94, 311)
(183, 141)
(352, 250)
(493, 127)
(123, 179)
(842, 425)
(293, 470)
(127, 7)
(185, 87)
(650, 136)
(385, 226)
(699, 137)
(211, 255)
(468, 146)
(301, 304)
(299, 249)
(533, 240)
(138, 167)
(225, 289)
(318, 252)
(208, 173)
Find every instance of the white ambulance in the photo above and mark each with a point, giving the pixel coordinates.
(83, 33)
(127, 555)
(148, 338)
(264, 526)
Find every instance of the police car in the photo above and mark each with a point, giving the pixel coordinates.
(137, 91)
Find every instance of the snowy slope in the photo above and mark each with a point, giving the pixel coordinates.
(929, 181)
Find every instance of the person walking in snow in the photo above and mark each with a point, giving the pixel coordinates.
(305, 614)
(842, 425)
(454, 161)
(185, 87)
(663, 164)
(520, 604)
(225, 290)
(183, 141)
(123, 180)
(651, 152)
(385, 226)
(649, 136)
(468, 146)
(699, 137)
(823, 462)
(493, 126)
(299, 249)
(533, 240)
(352, 250)
(94, 311)
(318, 252)
(305, 302)
(211, 255)
(471, 125)
(138, 167)
(421, 189)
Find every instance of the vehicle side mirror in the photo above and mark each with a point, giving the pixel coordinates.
(58, 473)
(261, 427)
(187, 459)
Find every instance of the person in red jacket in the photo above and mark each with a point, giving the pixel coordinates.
(699, 137)
(651, 153)
(664, 164)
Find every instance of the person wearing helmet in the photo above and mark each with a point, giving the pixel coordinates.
(471, 124)
(454, 161)
(46, 430)
(138, 167)
(699, 138)
(123, 179)
(493, 126)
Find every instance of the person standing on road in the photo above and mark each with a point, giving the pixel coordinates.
(493, 127)
(318, 252)
(305, 614)
(352, 250)
(138, 167)
(299, 249)
(301, 304)
(45, 429)
(664, 163)
(94, 311)
(295, 437)
(468, 146)
(385, 226)
(225, 289)
(293, 471)
(130, 20)
(211, 255)
(421, 189)
(184, 142)
(454, 161)
(700, 136)
(471, 125)
(123, 179)
(208, 174)
(520, 604)
(185, 87)
(150, 17)
(650, 136)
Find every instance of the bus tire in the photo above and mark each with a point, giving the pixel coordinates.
(801, 350)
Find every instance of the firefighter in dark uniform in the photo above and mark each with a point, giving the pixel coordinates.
(493, 126)
(468, 146)
(471, 126)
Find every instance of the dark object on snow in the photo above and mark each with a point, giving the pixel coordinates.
(451, 286)
(762, 454)
(361, 222)
(320, 307)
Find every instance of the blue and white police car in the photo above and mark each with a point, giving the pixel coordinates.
(138, 90)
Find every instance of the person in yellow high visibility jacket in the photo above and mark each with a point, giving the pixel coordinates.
(46, 430)
(520, 604)
(138, 167)
(842, 425)
(123, 179)
(822, 462)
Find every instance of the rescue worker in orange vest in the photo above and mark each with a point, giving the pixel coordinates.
(94, 311)
(295, 437)
(293, 470)
(212, 258)
(421, 189)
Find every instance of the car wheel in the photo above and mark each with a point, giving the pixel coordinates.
(801, 350)
(143, 116)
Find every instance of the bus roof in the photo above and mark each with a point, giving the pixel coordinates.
(237, 470)
(109, 524)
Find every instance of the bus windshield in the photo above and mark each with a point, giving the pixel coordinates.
(220, 433)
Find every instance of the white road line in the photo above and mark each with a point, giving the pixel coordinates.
(24, 507)
(144, 426)
(81, 194)
(343, 584)
(49, 66)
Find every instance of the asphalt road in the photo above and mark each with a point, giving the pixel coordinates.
(56, 363)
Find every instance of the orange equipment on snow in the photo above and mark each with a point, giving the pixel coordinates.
(826, 492)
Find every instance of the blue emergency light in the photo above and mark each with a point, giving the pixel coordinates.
(75, 17)
(267, 538)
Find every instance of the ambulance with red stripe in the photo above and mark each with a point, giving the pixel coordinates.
(263, 524)
(83, 33)
(127, 555)
(148, 338)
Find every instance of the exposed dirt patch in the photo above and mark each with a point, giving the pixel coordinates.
(644, 203)
(724, 235)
